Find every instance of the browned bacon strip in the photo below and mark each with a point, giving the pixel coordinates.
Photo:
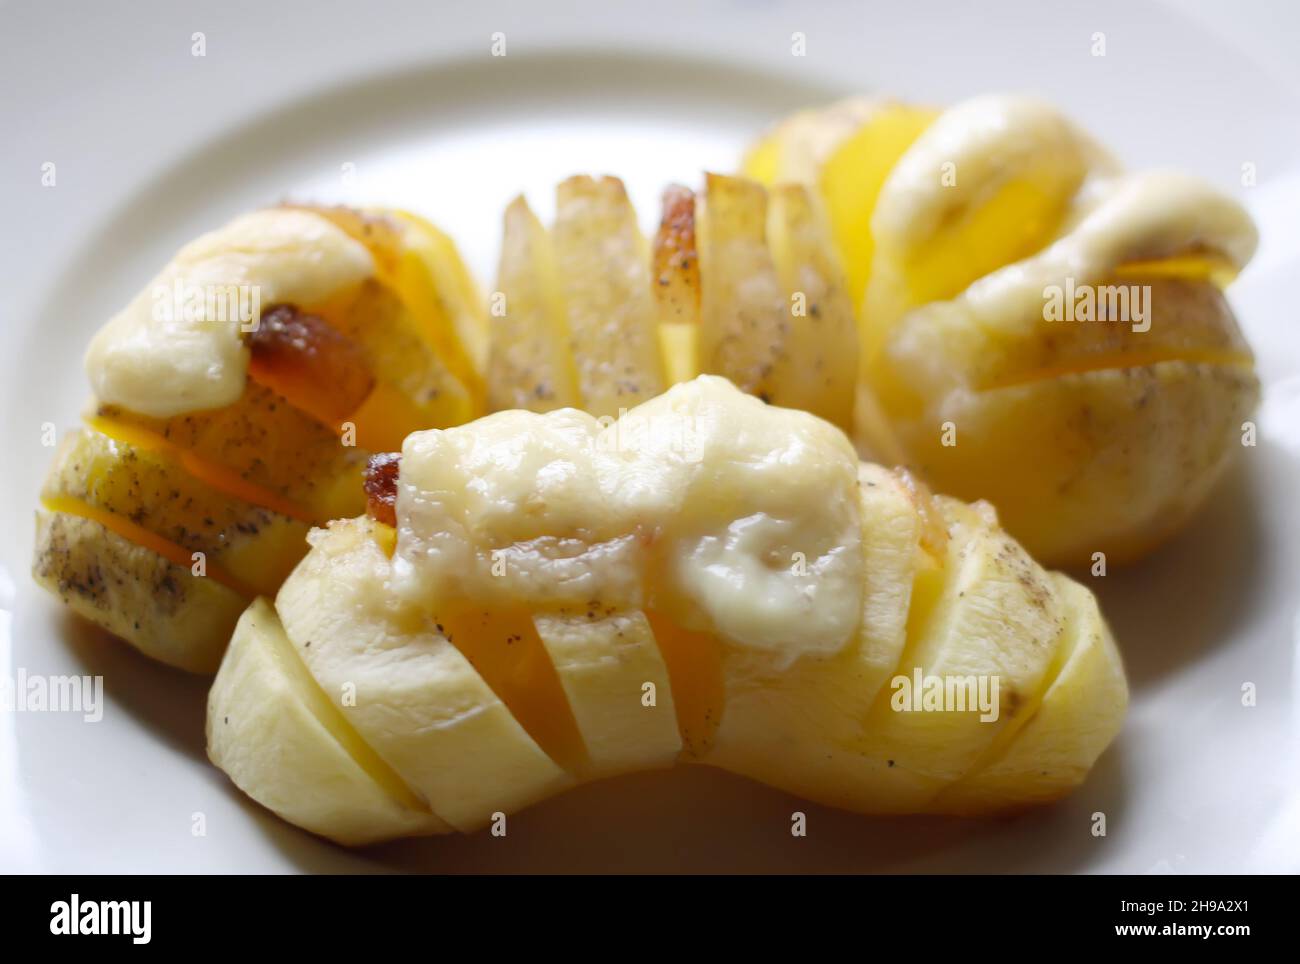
(381, 487)
(317, 368)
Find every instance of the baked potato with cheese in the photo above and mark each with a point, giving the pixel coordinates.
(558, 599)
(1039, 328)
(237, 398)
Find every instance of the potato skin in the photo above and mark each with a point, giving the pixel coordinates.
(253, 545)
(1110, 462)
(1089, 437)
(146, 598)
(164, 610)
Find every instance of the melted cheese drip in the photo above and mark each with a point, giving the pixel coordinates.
(1012, 162)
(157, 359)
(1139, 217)
(703, 506)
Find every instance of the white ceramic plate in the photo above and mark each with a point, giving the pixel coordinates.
(402, 103)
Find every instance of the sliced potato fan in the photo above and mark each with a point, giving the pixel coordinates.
(734, 283)
(478, 717)
(1038, 327)
(162, 518)
(530, 363)
(604, 274)
(420, 703)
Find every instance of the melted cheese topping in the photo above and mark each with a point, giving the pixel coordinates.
(1127, 219)
(951, 203)
(704, 505)
(178, 346)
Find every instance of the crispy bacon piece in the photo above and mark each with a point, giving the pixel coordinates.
(314, 366)
(381, 487)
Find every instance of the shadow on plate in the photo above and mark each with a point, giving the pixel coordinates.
(170, 702)
(696, 819)
(1181, 602)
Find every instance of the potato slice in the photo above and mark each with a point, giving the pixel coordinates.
(407, 690)
(530, 364)
(1065, 731)
(1093, 436)
(955, 343)
(605, 283)
(794, 150)
(401, 255)
(744, 317)
(851, 179)
(398, 348)
(232, 447)
(256, 546)
(501, 642)
(989, 613)
(675, 258)
(845, 152)
(800, 729)
(283, 743)
(989, 182)
(818, 369)
(459, 293)
(676, 283)
(605, 661)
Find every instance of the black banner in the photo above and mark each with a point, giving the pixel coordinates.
(333, 914)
